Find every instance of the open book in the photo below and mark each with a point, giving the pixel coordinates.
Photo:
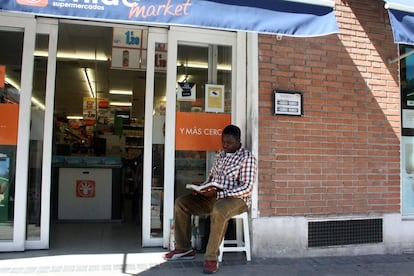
(204, 187)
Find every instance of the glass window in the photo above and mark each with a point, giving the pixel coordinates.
(207, 71)
(407, 106)
(36, 141)
(10, 66)
(158, 140)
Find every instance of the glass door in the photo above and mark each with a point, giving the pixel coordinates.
(199, 64)
(204, 107)
(40, 139)
(154, 150)
(16, 74)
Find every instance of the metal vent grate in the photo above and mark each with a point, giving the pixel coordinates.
(328, 233)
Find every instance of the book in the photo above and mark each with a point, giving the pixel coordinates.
(204, 187)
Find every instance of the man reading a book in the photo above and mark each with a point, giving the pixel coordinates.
(234, 170)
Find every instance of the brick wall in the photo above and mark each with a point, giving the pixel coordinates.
(343, 156)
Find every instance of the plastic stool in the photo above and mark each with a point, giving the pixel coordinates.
(242, 243)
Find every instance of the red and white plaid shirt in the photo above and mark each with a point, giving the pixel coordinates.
(236, 172)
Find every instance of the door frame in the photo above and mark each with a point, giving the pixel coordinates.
(155, 35)
(194, 35)
(47, 27)
(28, 25)
(32, 27)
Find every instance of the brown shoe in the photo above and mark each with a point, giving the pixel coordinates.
(210, 267)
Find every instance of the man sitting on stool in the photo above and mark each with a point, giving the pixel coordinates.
(235, 169)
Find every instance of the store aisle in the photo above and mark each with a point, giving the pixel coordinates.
(98, 237)
(104, 248)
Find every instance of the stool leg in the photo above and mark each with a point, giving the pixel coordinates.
(247, 237)
(239, 231)
(220, 256)
(242, 238)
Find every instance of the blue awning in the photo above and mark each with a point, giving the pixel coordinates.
(284, 17)
(401, 13)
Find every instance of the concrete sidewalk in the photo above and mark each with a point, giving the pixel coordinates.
(151, 263)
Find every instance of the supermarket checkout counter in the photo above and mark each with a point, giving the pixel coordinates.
(86, 188)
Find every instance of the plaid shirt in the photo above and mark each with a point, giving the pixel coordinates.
(236, 172)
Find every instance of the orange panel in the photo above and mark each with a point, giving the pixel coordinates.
(9, 119)
(199, 131)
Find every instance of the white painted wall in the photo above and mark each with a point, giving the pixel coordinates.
(287, 237)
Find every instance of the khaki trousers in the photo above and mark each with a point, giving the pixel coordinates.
(220, 211)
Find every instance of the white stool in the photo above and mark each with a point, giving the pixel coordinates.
(242, 243)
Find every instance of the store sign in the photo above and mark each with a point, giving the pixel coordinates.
(286, 17)
(199, 131)
(129, 48)
(8, 123)
(186, 91)
(89, 110)
(85, 188)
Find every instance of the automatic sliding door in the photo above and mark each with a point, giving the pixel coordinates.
(153, 225)
(16, 61)
(200, 100)
(40, 140)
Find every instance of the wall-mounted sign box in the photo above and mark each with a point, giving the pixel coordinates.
(288, 102)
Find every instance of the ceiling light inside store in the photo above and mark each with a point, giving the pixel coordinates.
(83, 56)
(35, 101)
(120, 103)
(12, 83)
(74, 117)
(89, 82)
(120, 92)
(201, 65)
(183, 78)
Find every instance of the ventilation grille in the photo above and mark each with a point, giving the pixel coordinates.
(329, 233)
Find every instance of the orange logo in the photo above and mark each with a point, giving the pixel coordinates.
(36, 3)
(85, 188)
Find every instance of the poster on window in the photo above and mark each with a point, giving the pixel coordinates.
(186, 91)
(407, 174)
(199, 131)
(129, 48)
(160, 60)
(408, 118)
(89, 110)
(214, 98)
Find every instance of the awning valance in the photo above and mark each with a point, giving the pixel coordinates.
(401, 13)
(284, 17)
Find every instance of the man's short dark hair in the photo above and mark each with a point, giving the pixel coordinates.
(233, 131)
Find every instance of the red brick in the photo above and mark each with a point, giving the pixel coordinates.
(342, 156)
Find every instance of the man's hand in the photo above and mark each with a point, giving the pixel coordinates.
(207, 193)
(210, 193)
